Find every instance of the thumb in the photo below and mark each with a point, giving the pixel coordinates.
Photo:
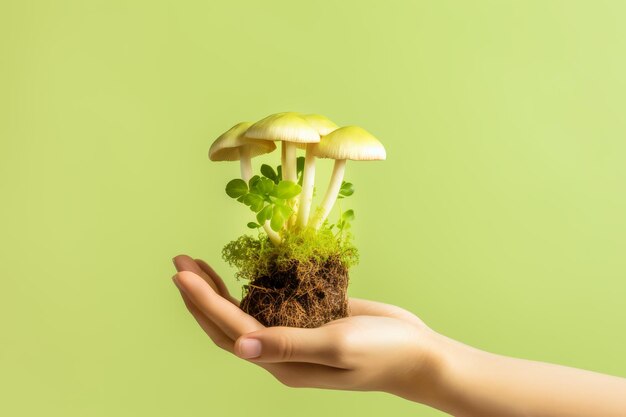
(290, 344)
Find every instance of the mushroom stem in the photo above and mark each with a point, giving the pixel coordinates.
(290, 173)
(289, 161)
(274, 236)
(331, 194)
(245, 162)
(308, 180)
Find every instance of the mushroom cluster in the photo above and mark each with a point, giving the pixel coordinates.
(282, 198)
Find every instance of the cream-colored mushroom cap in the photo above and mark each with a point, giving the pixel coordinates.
(286, 127)
(227, 146)
(350, 142)
(322, 124)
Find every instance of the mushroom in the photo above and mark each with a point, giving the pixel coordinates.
(324, 126)
(233, 146)
(349, 142)
(289, 128)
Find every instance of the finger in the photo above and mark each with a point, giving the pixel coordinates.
(292, 344)
(215, 333)
(360, 307)
(222, 289)
(186, 263)
(228, 317)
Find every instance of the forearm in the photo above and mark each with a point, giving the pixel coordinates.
(468, 382)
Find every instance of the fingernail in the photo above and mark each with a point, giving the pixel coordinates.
(249, 348)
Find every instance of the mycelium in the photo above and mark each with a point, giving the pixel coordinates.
(298, 267)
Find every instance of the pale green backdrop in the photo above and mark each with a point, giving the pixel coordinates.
(498, 217)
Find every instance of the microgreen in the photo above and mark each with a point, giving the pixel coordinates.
(346, 190)
(271, 197)
(265, 197)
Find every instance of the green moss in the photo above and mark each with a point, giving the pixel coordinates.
(257, 256)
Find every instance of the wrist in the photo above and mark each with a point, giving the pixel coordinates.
(432, 370)
(423, 370)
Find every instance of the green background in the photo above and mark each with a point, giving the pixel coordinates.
(498, 216)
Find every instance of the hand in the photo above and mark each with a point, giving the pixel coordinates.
(385, 348)
(379, 347)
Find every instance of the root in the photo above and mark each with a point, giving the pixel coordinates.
(299, 293)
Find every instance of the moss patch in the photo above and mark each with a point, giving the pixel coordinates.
(257, 256)
(301, 283)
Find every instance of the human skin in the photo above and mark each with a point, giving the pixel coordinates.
(381, 347)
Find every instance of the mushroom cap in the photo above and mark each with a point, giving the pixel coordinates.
(322, 124)
(226, 147)
(350, 142)
(286, 126)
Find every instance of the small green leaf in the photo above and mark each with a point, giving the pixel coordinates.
(284, 210)
(236, 188)
(279, 174)
(256, 207)
(254, 201)
(268, 172)
(265, 186)
(241, 198)
(277, 200)
(253, 225)
(253, 181)
(246, 199)
(286, 190)
(277, 222)
(280, 214)
(347, 215)
(265, 214)
(347, 189)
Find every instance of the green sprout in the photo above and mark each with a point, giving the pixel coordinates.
(265, 197)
